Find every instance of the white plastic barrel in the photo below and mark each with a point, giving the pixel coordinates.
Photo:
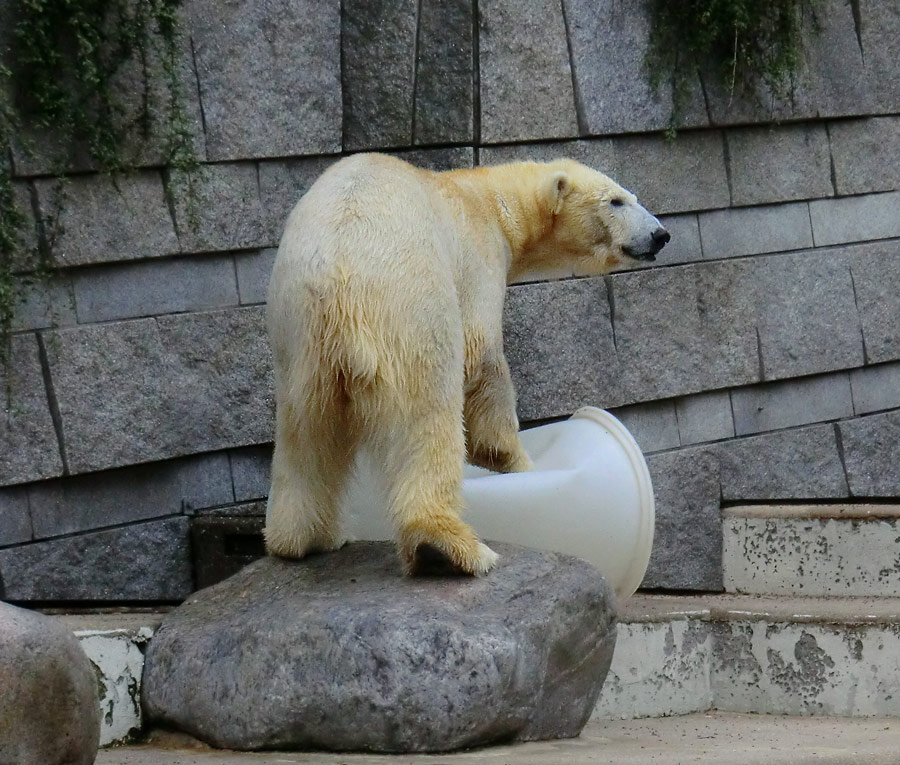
(589, 495)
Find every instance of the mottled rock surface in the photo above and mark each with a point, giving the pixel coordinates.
(49, 712)
(340, 651)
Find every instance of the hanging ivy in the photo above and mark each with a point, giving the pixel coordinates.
(97, 80)
(741, 44)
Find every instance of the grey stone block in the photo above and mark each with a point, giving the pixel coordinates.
(42, 152)
(29, 450)
(250, 472)
(855, 219)
(598, 153)
(872, 454)
(802, 401)
(15, 520)
(864, 153)
(667, 177)
(82, 503)
(755, 230)
(44, 302)
(685, 246)
(704, 417)
(806, 315)
(444, 78)
(880, 34)
(831, 81)
(460, 157)
(559, 344)
(253, 271)
(653, 425)
(217, 207)
(609, 42)
(144, 561)
(103, 221)
(24, 259)
(770, 164)
(683, 330)
(269, 76)
(876, 280)
(524, 60)
(49, 704)
(790, 464)
(281, 184)
(382, 663)
(151, 389)
(221, 366)
(687, 543)
(154, 287)
(673, 176)
(252, 510)
(378, 47)
(109, 382)
(875, 388)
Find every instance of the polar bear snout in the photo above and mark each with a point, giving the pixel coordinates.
(660, 238)
(646, 250)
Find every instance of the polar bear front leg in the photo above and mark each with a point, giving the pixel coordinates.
(421, 447)
(492, 428)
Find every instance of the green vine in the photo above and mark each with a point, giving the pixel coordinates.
(741, 44)
(97, 80)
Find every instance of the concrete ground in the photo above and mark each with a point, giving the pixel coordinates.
(717, 738)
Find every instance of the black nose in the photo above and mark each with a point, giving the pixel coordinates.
(660, 238)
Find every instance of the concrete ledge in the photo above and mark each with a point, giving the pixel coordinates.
(812, 511)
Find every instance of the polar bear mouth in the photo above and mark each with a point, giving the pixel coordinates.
(648, 256)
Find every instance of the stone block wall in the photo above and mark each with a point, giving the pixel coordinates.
(757, 360)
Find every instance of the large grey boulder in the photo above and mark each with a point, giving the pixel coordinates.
(340, 651)
(49, 708)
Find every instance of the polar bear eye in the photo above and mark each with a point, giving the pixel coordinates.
(616, 202)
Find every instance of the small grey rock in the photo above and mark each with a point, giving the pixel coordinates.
(342, 652)
(49, 712)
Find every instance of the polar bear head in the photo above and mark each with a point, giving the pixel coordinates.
(593, 225)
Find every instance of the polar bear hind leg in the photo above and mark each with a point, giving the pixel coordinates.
(419, 444)
(314, 449)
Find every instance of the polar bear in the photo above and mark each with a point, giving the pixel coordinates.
(384, 315)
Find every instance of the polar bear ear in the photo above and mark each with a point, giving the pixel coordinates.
(556, 187)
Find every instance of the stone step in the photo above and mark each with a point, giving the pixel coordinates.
(675, 655)
(769, 655)
(813, 550)
(718, 738)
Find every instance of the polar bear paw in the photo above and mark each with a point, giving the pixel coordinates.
(431, 547)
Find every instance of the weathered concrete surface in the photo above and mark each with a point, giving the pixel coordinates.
(342, 652)
(48, 705)
(812, 551)
(117, 657)
(808, 669)
(658, 669)
(719, 738)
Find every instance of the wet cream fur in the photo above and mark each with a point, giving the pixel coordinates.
(384, 314)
